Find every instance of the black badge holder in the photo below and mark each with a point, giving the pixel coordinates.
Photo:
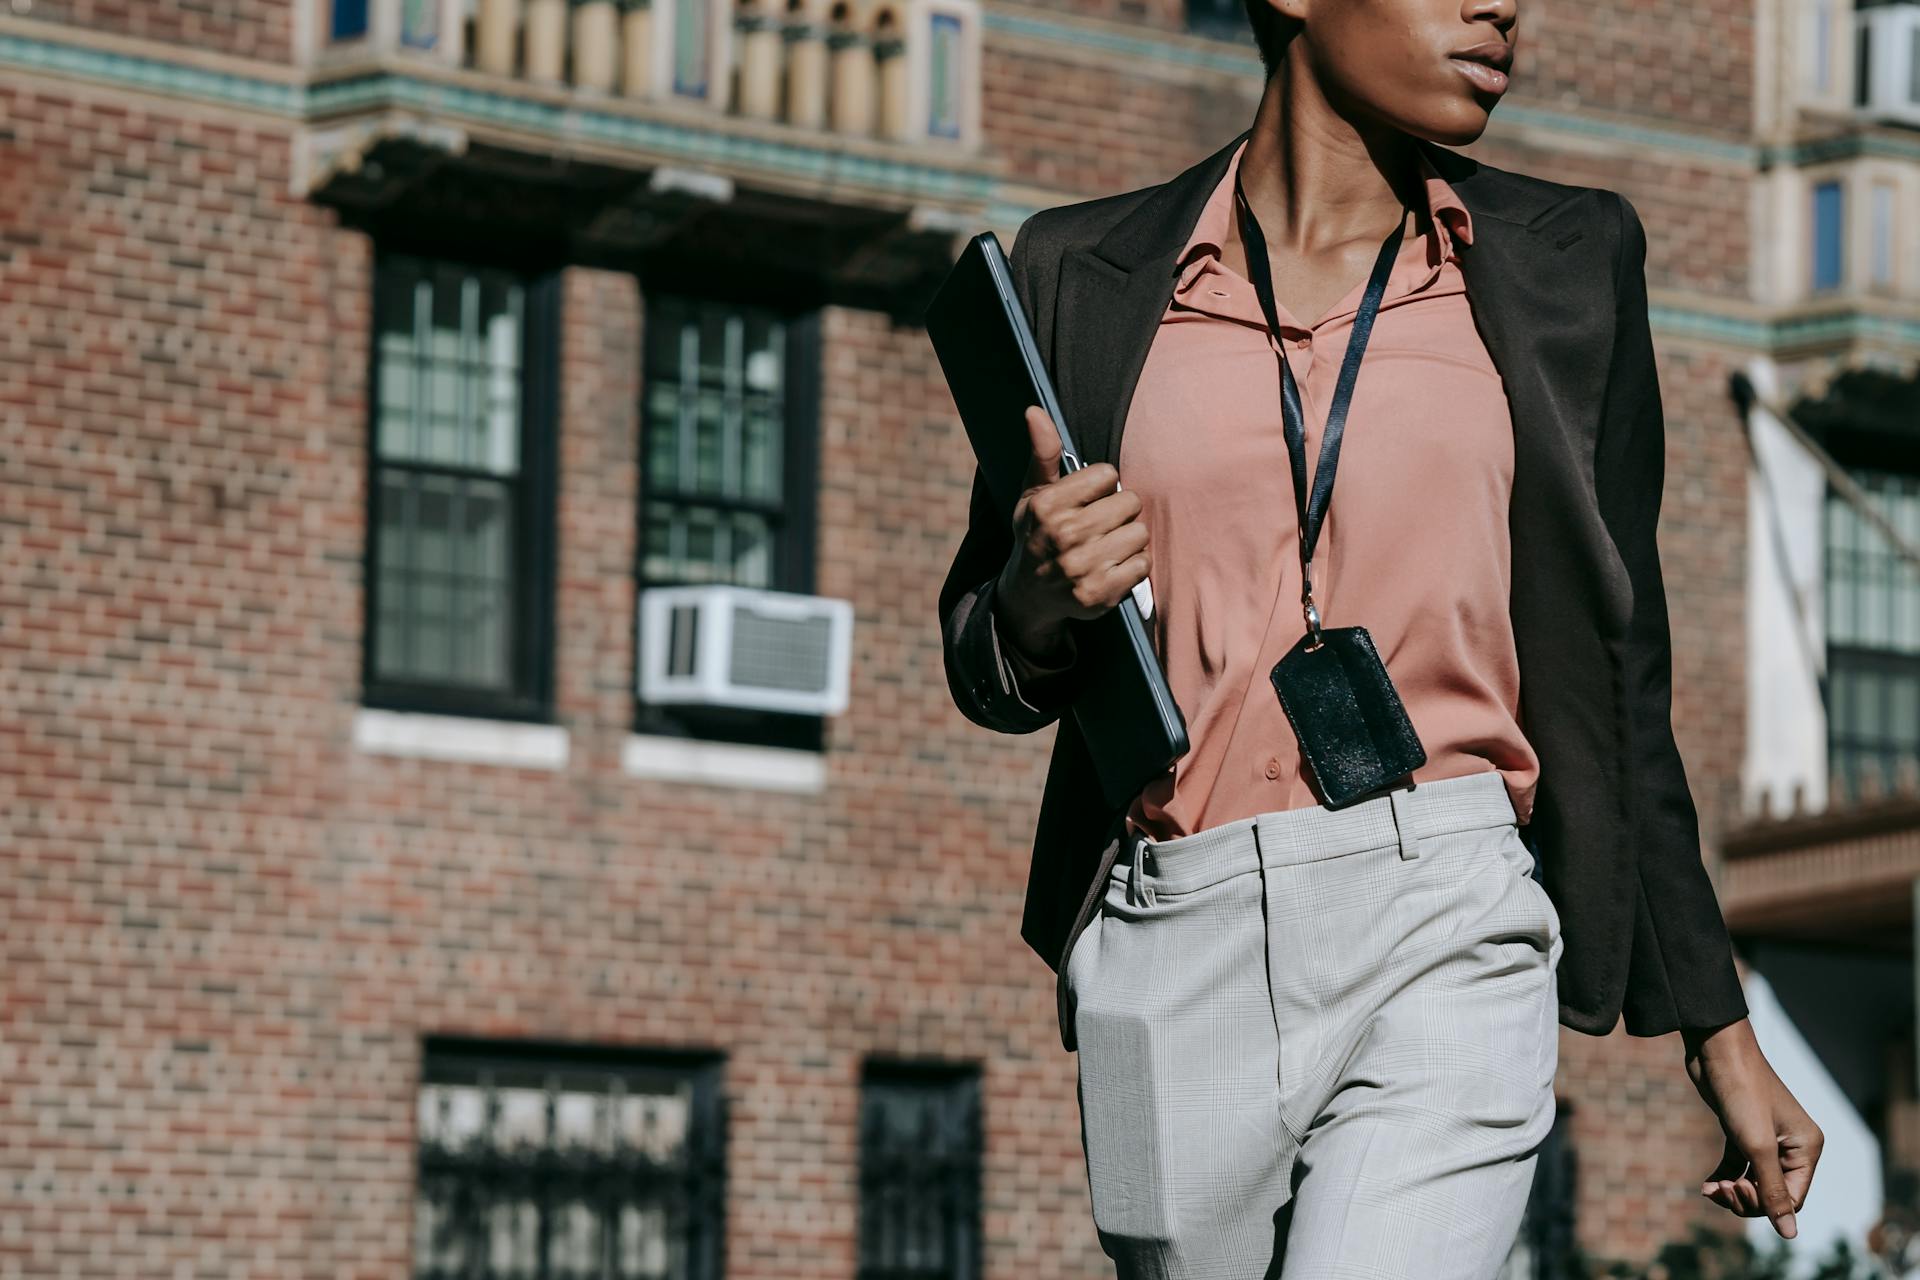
(1354, 732)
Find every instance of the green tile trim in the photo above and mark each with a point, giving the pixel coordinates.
(1845, 147)
(560, 121)
(1626, 133)
(357, 93)
(1225, 59)
(151, 73)
(1794, 331)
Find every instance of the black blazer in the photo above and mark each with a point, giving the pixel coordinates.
(1555, 277)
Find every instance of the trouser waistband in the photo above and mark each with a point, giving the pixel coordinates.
(1403, 816)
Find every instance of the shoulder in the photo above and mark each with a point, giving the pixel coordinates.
(1052, 232)
(1534, 201)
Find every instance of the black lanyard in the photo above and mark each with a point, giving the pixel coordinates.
(1313, 509)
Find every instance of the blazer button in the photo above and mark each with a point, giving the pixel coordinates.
(1273, 768)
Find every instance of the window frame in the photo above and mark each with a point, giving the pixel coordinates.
(966, 1233)
(536, 502)
(1232, 25)
(702, 1070)
(1817, 283)
(1850, 753)
(795, 562)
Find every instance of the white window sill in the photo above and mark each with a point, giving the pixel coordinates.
(723, 764)
(430, 737)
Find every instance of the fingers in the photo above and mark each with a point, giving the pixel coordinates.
(1774, 1199)
(1080, 509)
(1723, 1183)
(1801, 1141)
(1072, 526)
(1044, 466)
(1109, 565)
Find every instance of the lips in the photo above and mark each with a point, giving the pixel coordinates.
(1486, 66)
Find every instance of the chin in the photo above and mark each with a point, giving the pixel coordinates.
(1457, 127)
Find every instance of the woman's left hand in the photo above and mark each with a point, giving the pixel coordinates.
(1772, 1143)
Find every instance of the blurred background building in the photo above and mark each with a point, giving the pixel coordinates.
(479, 792)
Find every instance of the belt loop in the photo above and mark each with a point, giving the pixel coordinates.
(1402, 800)
(1139, 894)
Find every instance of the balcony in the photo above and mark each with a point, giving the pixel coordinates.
(837, 140)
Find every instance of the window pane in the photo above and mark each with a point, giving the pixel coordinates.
(445, 591)
(919, 1173)
(1863, 66)
(690, 47)
(1222, 19)
(420, 23)
(349, 19)
(1826, 235)
(1881, 245)
(1873, 633)
(535, 1165)
(449, 349)
(714, 420)
(943, 81)
(751, 552)
(1821, 15)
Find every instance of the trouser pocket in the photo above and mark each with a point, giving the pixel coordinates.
(1176, 1048)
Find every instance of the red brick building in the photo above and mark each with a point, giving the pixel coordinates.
(381, 896)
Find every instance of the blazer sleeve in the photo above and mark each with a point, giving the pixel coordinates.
(980, 674)
(1681, 971)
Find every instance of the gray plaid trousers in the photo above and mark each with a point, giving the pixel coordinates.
(1320, 1044)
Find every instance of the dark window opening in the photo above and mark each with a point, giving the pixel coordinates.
(459, 574)
(728, 468)
(920, 1172)
(540, 1163)
(1873, 636)
(349, 20)
(1221, 19)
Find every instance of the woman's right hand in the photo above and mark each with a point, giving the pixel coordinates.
(1078, 545)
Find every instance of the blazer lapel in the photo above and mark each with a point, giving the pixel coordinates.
(1531, 273)
(1110, 303)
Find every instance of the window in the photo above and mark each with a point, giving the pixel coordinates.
(459, 592)
(567, 1163)
(944, 73)
(1820, 14)
(919, 1172)
(1880, 271)
(420, 23)
(1863, 65)
(1221, 19)
(1827, 230)
(1873, 634)
(691, 53)
(1913, 64)
(349, 20)
(729, 404)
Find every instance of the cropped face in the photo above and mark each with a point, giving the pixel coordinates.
(1431, 68)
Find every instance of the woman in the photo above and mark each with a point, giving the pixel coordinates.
(1316, 1000)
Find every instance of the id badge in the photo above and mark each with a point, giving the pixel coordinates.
(1353, 730)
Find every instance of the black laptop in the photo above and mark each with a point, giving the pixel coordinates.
(1126, 712)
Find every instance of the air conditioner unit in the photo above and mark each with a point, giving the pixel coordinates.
(719, 645)
(1887, 61)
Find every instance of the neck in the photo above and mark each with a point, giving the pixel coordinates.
(1317, 179)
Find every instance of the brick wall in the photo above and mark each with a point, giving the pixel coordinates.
(261, 29)
(226, 931)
